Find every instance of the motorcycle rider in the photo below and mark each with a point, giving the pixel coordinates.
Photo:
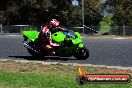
(47, 31)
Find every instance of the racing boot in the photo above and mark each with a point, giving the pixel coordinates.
(50, 50)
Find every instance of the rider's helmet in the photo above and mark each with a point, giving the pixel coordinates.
(54, 22)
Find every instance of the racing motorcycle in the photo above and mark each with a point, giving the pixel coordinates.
(71, 44)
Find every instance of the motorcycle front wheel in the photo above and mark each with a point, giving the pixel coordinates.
(83, 54)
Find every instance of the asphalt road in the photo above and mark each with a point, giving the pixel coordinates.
(103, 51)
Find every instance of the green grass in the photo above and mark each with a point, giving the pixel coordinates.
(35, 75)
(48, 80)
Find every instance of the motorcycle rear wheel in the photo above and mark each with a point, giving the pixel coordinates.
(36, 56)
(33, 53)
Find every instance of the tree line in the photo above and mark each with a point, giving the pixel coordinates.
(39, 12)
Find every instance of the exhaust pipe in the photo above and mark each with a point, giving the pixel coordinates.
(29, 47)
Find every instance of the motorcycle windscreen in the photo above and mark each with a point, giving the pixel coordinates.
(31, 35)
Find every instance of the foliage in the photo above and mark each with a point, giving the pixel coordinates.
(39, 12)
(39, 75)
(92, 12)
(122, 11)
(105, 24)
(48, 80)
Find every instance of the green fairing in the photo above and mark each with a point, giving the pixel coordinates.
(77, 40)
(80, 45)
(79, 36)
(58, 37)
(31, 35)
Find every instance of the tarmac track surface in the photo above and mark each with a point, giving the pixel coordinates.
(103, 51)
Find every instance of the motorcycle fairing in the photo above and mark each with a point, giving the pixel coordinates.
(31, 35)
(61, 36)
(58, 37)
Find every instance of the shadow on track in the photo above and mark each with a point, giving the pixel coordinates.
(43, 58)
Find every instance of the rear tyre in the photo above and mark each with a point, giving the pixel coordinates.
(83, 54)
(33, 53)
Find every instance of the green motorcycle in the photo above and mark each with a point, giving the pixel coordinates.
(71, 44)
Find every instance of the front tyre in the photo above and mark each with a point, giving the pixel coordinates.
(83, 54)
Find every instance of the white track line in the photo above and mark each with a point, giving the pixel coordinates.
(119, 38)
(14, 35)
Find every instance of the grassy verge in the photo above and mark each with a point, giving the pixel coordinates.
(34, 75)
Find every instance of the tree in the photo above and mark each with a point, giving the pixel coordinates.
(122, 13)
(36, 11)
(39, 12)
(92, 12)
(121, 9)
(105, 24)
(64, 11)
